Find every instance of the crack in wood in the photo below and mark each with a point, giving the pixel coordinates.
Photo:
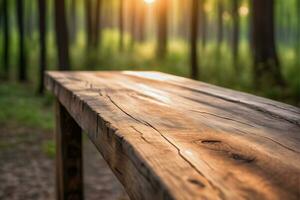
(142, 134)
(129, 115)
(251, 106)
(178, 150)
(272, 140)
(227, 118)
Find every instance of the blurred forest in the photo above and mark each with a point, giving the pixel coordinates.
(248, 45)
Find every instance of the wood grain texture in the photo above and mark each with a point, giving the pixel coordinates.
(167, 137)
(69, 169)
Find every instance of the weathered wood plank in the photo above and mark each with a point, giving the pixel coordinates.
(167, 137)
(69, 179)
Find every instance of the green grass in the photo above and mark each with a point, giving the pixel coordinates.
(21, 106)
(48, 148)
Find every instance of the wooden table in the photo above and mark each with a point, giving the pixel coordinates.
(167, 137)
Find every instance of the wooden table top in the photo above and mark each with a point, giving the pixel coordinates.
(168, 137)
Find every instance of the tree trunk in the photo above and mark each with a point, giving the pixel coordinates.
(289, 28)
(73, 21)
(108, 16)
(298, 34)
(121, 24)
(220, 23)
(22, 57)
(1, 15)
(62, 39)
(193, 38)
(6, 36)
(162, 32)
(184, 12)
(97, 26)
(235, 34)
(29, 11)
(250, 22)
(42, 27)
(266, 63)
(141, 20)
(133, 23)
(203, 18)
(89, 23)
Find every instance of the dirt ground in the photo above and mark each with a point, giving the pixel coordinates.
(27, 172)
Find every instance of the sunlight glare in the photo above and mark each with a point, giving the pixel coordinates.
(149, 1)
(149, 75)
(244, 10)
(207, 7)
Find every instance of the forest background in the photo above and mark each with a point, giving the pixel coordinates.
(246, 45)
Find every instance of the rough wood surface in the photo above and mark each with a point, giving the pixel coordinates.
(167, 137)
(69, 178)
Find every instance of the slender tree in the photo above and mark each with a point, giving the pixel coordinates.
(298, 33)
(133, 23)
(28, 21)
(184, 12)
(266, 63)
(42, 29)
(162, 28)
(6, 36)
(298, 45)
(73, 20)
(220, 34)
(250, 25)
(220, 5)
(97, 26)
(289, 24)
(89, 23)
(235, 33)
(141, 21)
(193, 38)
(108, 17)
(1, 14)
(22, 58)
(62, 39)
(121, 24)
(203, 24)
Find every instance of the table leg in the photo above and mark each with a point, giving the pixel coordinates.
(69, 170)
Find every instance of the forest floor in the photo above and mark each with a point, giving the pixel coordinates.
(27, 151)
